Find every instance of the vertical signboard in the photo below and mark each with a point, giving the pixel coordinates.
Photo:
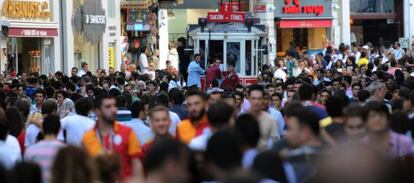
(111, 57)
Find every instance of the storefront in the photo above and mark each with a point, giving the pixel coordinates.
(30, 39)
(90, 34)
(139, 29)
(306, 23)
(377, 21)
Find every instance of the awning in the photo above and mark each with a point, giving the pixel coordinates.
(32, 32)
(307, 23)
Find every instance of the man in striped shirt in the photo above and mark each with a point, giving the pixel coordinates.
(44, 152)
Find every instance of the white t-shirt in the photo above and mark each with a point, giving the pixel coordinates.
(175, 119)
(81, 72)
(200, 143)
(9, 152)
(76, 126)
(280, 74)
(15, 151)
(32, 132)
(143, 63)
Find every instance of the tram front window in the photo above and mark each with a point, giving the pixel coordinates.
(233, 54)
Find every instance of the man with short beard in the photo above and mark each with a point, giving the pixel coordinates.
(108, 136)
(269, 133)
(197, 122)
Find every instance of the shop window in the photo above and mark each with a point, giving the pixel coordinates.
(372, 6)
(29, 54)
(86, 52)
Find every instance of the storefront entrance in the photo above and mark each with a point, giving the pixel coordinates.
(29, 54)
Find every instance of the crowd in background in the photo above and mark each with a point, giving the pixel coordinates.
(345, 114)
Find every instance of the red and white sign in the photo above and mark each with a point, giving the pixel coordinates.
(226, 16)
(305, 23)
(296, 8)
(259, 8)
(229, 12)
(230, 7)
(33, 32)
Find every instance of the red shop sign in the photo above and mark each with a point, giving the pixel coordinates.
(259, 8)
(296, 8)
(33, 32)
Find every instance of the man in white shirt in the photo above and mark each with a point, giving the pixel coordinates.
(143, 62)
(76, 125)
(277, 115)
(83, 70)
(143, 132)
(10, 152)
(269, 132)
(175, 119)
(398, 51)
(279, 73)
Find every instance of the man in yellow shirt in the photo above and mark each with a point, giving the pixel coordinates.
(363, 61)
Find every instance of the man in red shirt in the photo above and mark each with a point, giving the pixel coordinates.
(108, 136)
(231, 79)
(213, 72)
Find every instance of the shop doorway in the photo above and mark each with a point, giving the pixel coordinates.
(29, 54)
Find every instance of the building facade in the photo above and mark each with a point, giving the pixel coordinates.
(90, 33)
(30, 36)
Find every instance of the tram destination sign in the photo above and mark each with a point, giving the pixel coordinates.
(229, 12)
(226, 16)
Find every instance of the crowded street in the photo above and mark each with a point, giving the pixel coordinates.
(207, 91)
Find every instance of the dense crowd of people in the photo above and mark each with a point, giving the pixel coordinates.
(343, 115)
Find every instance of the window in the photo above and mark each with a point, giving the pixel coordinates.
(372, 6)
(233, 54)
(86, 52)
(111, 8)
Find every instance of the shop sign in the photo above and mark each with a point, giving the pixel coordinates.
(259, 8)
(26, 9)
(90, 19)
(35, 32)
(404, 42)
(295, 8)
(303, 8)
(111, 57)
(95, 19)
(229, 12)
